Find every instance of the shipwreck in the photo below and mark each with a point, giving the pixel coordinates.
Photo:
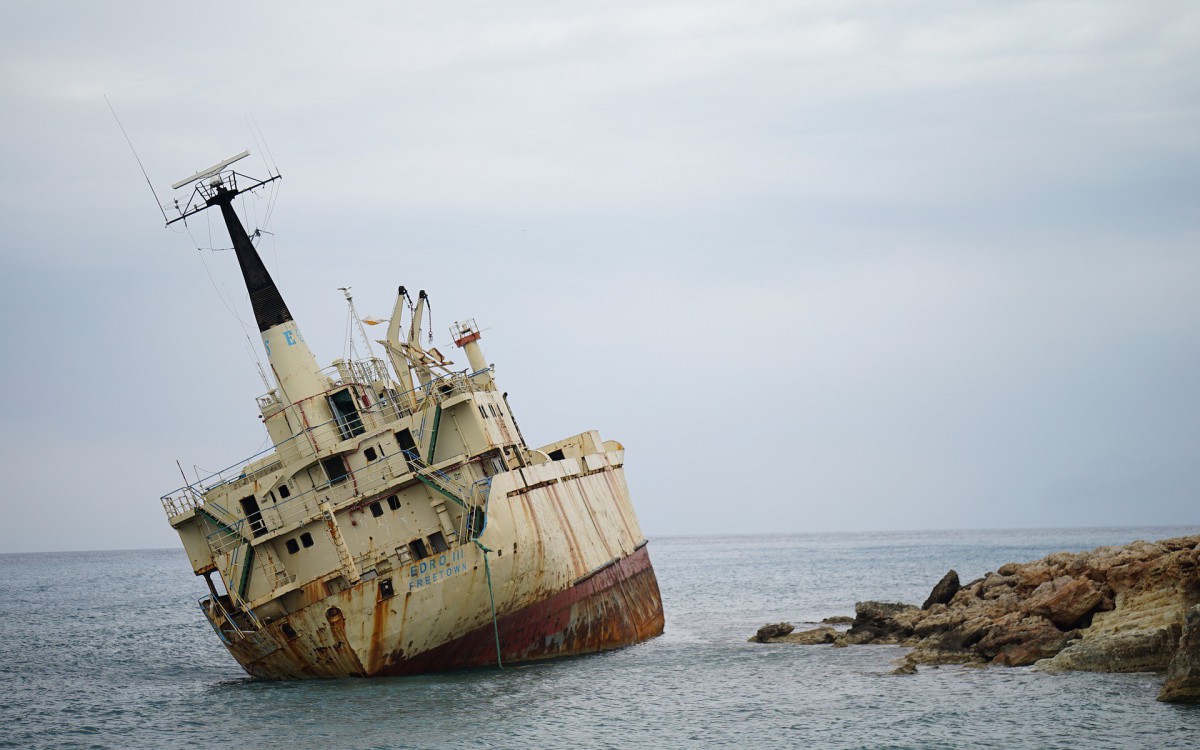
(399, 523)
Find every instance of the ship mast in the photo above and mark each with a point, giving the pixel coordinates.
(292, 362)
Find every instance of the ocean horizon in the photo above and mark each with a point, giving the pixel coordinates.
(108, 649)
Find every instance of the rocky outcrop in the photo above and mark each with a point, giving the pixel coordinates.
(1183, 674)
(769, 633)
(1130, 608)
(782, 633)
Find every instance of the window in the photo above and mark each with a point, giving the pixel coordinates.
(306, 539)
(289, 631)
(376, 509)
(253, 515)
(370, 454)
(482, 413)
(349, 424)
(284, 491)
(393, 502)
(438, 542)
(293, 546)
(556, 455)
(404, 439)
(492, 409)
(335, 468)
(417, 548)
(385, 589)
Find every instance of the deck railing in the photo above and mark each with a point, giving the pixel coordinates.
(191, 496)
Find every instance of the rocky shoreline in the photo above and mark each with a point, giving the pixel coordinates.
(1130, 608)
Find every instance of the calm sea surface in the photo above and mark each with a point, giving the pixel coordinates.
(108, 650)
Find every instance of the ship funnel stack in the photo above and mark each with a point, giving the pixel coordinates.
(292, 362)
(466, 337)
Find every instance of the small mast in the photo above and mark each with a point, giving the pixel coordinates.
(292, 362)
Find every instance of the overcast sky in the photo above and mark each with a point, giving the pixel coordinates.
(820, 266)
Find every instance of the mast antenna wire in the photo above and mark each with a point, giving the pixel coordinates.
(266, 148)
(264, 151)
(137, 158)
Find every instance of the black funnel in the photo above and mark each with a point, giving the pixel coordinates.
(269, 308)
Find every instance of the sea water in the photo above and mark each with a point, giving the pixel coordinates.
(109, 650)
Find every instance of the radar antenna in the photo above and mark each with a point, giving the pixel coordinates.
(222, 188)
(218, 186)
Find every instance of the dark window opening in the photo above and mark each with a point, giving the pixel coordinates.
(405, 440)
(253, 515)
(393, 502)
(492, 409)
(482, 413)
(556, 455)
(385, 589)
(306, 539)
(376, 509)
(417, 548)
(438, 542)
(344, 411)
(284, 491)
(289, 631)
(293, 546)
(335, 468)
(370, 454)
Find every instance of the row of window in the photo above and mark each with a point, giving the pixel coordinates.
(293, 546)
(490, 408)
(393, 503)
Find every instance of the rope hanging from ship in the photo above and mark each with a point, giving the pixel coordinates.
(487, 570)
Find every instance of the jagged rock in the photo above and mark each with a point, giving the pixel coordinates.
(995, 586)
(943, 591)
(878, 621)
(838, 620)
(1135, 651)
(1183, 674)
(1065, 601)
(768, 632)
(823, 634)
(905, 668)
(1022, 640)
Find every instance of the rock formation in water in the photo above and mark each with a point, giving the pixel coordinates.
(1131, 608)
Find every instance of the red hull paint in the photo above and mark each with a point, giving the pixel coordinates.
(618, 606)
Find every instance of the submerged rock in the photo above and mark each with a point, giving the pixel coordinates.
(768, 633)
(823, 634)
(1130, 608)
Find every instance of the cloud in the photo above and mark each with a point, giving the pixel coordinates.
(934, 261)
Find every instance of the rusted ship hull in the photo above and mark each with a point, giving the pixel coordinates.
(618, 606)
(561, 569)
